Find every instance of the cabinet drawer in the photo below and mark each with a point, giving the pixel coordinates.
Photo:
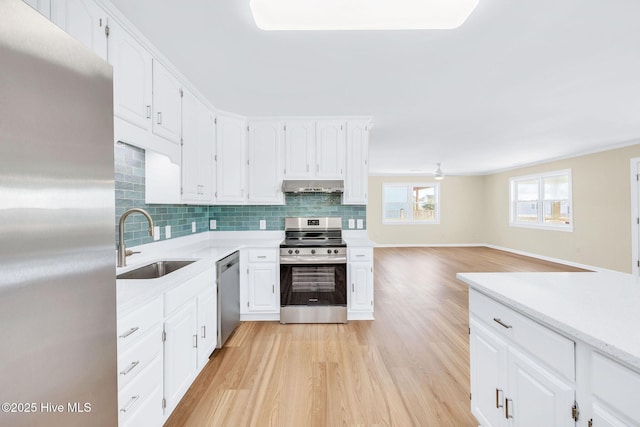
(615, 385)
(140, 355)
(360, 254)
(263, 255)
(149, 413)
(135, 395)
(548, 346)
(136, 324)
(176, 297)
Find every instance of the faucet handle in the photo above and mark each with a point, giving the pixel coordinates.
(130, 252)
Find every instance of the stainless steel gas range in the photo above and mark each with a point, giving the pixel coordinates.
(313, 271)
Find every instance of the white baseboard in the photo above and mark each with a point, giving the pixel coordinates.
(428, 245)
(500, 248)
(550, 259)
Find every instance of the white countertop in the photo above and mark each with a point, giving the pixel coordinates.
(205, 248)
(601, 309)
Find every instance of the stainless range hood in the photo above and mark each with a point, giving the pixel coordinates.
(310, 186)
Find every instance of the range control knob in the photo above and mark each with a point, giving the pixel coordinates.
(297, 252)
(313, 251)
(335, 251)
(290, 251)
(328, 251)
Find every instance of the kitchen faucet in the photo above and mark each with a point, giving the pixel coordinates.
(122, 249)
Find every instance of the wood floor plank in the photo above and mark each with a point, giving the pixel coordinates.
(409, 367)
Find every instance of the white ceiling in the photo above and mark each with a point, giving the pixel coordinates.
(521, 81)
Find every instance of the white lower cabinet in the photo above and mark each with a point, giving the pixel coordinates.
(509, 385)
(207, 325)
(360, 283)
(190, 329)
(140, 402)
(615, 393)
(180, 353)
(260, 284)
(140, 362)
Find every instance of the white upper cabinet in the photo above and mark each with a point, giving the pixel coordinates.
(42, 6)
(198, 145)
(330, 149)
(356, 175)
(132, 83)
(167, 115)
(85, 21)
(300, 142)
(265, 169)
(231, 136)
(314, 149)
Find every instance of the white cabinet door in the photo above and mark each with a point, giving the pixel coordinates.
(361, 282)
(207, 325)
(42, 6)
(198, 140)
(85, 21)
(230, 159)
(131, 77)
(300, 149)
(262, 288)
(167, 104)
(180, 353)
(330, 149)
(356, 179)
(603, 417)
(265, 157)
(488, 355)
(535, 396)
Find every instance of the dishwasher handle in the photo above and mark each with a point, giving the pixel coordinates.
(228, 262)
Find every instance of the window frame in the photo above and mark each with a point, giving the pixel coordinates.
(410, 186)
(540, 225)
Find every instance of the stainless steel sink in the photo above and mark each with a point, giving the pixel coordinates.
(155, 270)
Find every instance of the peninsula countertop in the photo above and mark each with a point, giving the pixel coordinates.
(601, 308)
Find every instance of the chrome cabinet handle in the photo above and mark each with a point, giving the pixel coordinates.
(148, 111)
(159, 117)
(133, 400)
(498, 405)
(262, 256)
(353, 287)
(204, 332)
(501, 323)
(130, 367)
(359, 255)
(195, 341)
(506, 412)
(129, 332)
(273, 289)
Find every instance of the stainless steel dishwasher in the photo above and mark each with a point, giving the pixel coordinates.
(228, 280)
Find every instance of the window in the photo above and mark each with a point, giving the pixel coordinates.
(411, 203)
(542, 201)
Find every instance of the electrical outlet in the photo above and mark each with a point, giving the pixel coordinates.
(212, 224)
(360, 223)
(352, 223)
(193, 226)
(167, 232)
(156, 233)
(263, 224)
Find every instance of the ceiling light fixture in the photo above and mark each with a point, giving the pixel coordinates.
(438, 175)
(279, 15)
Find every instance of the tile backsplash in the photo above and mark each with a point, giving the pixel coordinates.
(129, 184)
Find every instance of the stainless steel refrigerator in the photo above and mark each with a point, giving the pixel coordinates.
(57, 258)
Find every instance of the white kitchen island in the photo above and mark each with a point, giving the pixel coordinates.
(544, 343)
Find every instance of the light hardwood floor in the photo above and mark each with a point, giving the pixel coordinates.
(409, 367)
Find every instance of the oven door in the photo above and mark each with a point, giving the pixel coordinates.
(312, 284)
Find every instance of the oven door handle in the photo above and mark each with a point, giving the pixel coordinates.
(313, 260)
